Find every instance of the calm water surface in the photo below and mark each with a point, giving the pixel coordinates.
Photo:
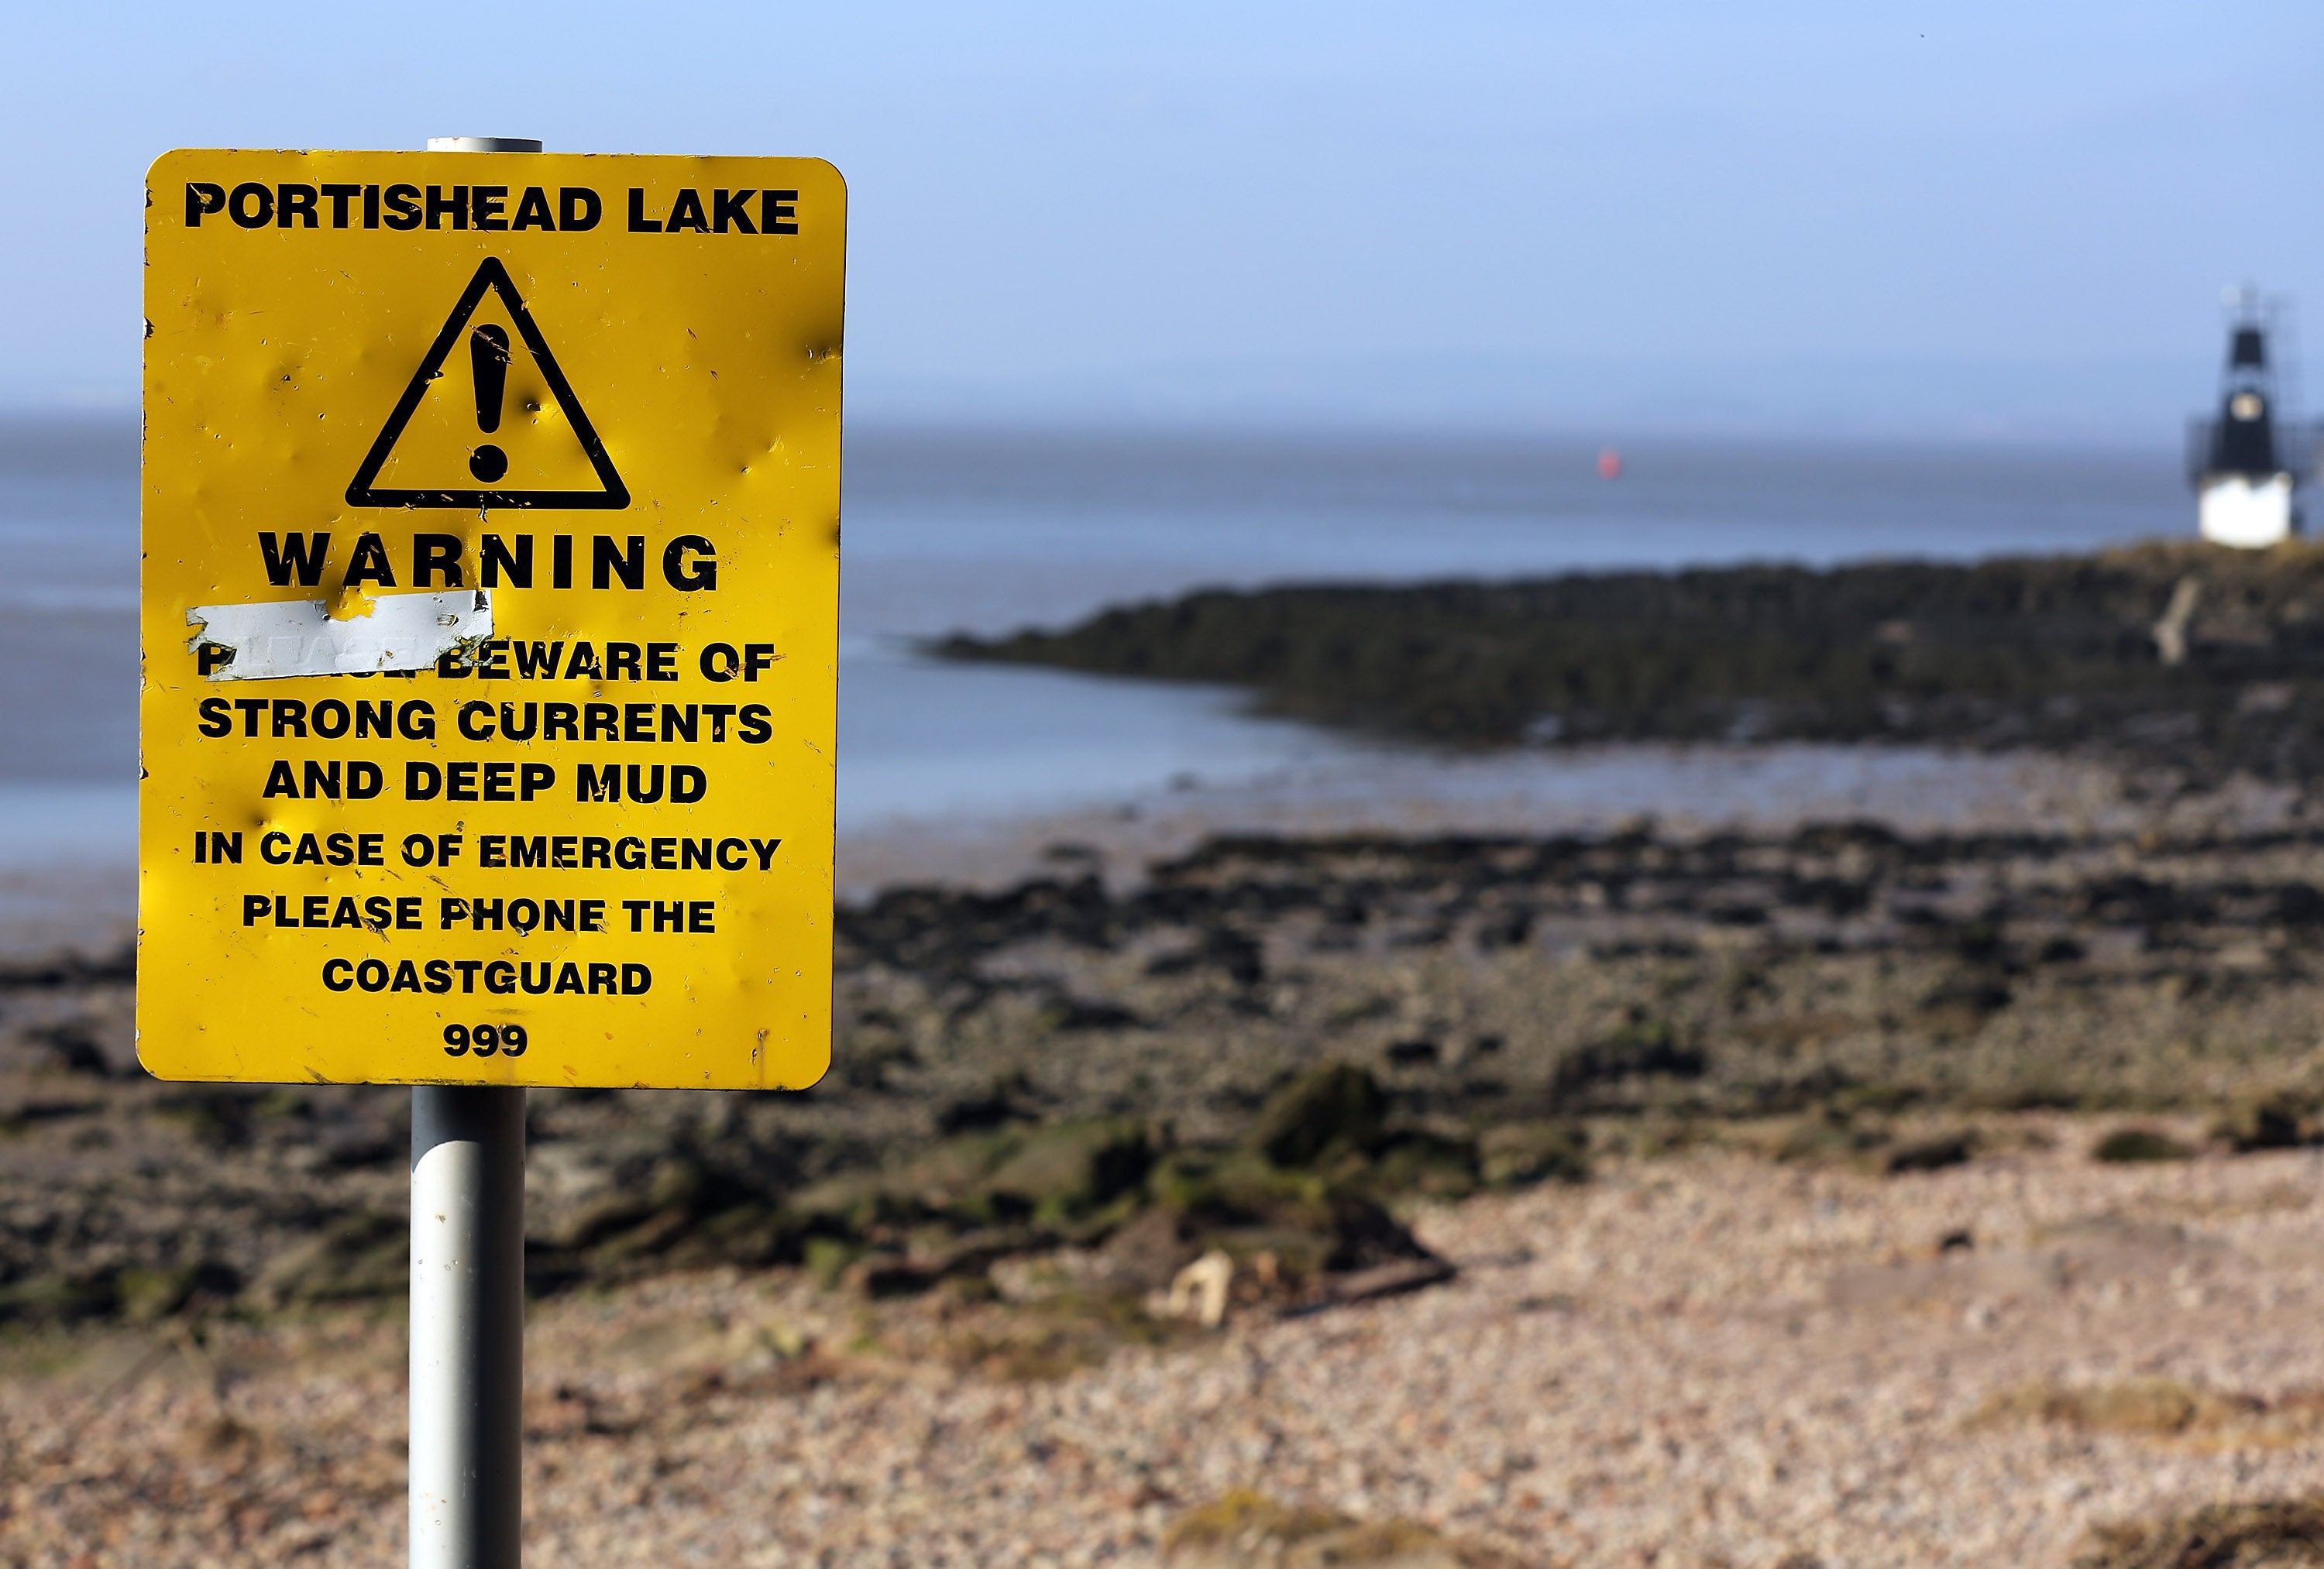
(980, 531)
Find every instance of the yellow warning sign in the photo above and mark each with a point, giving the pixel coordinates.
(490, 617)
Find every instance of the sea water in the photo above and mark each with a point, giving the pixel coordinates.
(985, 531)
(989, 531)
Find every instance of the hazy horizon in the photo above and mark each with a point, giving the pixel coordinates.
(1985, 220)
(110, 423)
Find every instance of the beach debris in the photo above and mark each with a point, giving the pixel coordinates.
(2276, 1121)
(2275, 1533)
(2128, 1145)
(1337, 1107)
(1393, 1278)
(1199, 1292)
(2152, 1405)
(2170, 631)
(1245, 1529)
(1515, 1154)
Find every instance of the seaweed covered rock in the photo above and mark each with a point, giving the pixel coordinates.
(2268, 1122)
(1644, 1049)
(1518, 1154)
(1298, 1202)
(2137, 1145)
(2277, 1534)
(2059, 651)
(60, 1297)
(1423, 1165)
(1306, 1226)
(642, 1206)
(355, 1256)
(1146, 1252)
(1246, 1530)
(1058, 1176)
(1335, 1108)
(1070, 1172)
(149, 1294)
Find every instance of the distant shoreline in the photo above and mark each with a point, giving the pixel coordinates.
(2200, 661)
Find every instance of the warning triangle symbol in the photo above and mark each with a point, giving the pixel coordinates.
(483, 425)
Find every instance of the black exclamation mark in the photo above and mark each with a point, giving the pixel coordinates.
(488, 356)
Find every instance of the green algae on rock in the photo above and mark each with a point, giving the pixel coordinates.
(2187, 654)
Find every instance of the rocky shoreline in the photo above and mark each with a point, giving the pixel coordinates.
(2189, 661)
(1763, 1197)
(1269, 1046)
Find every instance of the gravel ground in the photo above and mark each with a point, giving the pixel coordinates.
(1702, 1359)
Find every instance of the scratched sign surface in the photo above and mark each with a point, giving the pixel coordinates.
(490, 617)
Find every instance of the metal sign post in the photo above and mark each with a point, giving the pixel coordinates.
(467, 1325)
(489, 619)
(467, 1290)
(467, 1481)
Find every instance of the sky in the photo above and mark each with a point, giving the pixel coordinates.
(1855, 215)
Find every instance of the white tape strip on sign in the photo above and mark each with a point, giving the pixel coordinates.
(299, 638)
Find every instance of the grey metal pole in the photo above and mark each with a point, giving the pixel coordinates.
(467, 1290)
(467, 1325)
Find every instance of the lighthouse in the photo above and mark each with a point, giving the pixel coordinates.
(2240, 459)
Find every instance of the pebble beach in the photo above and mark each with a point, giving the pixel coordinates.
(1702, 1359)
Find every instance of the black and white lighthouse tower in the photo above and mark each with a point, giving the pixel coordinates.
(2241, 459)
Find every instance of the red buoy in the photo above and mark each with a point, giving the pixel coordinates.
(1609, 464)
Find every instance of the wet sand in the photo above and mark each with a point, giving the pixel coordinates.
(1686, 790)
(67, 847)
